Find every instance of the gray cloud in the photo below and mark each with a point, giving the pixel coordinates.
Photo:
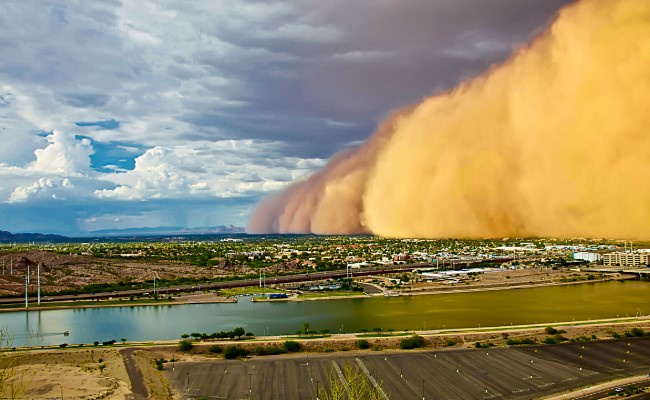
(312, 78)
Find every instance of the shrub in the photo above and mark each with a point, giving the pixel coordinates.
(515, 342)
(413, 342)
(250, 334)
(375, 347)
(215, 349)
(449, 343)
(363, 344)
(159, 363)
(95, 343)
(185, 345)
(63, 345)
(269, 350)
(549, 340)
(616, 335)
(234, 351)
(292, 346)
(637, 332)
(559, 338)
(550, 330)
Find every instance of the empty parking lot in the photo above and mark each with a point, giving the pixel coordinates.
(507, 373)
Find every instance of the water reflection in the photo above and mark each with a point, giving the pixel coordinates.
(506, 307)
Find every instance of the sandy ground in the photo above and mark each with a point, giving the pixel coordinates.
(74, 373)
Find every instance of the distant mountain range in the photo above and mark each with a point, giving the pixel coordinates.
(29, 237)
(168, 230)
(156, 231)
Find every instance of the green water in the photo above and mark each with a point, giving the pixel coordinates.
(454, 310)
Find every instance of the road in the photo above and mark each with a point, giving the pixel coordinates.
(135, 375)
(505, 373)
(311, 276)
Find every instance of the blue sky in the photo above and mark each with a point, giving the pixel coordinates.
(122, 114)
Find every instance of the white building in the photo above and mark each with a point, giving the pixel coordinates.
(587, 256)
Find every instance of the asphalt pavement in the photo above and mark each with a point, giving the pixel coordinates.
(506, 373)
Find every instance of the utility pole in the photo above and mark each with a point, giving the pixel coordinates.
(26, 300)
(39, 283)
(12, 265)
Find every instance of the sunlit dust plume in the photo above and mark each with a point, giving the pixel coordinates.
(555, 142)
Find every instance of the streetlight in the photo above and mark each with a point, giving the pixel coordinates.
(423, 389)
(317, 390)
(486, 382)
(188, 381)
(61, 390)
(250, 385)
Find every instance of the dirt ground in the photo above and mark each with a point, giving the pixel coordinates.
(77, 374)
(68, 271)
(495, 279)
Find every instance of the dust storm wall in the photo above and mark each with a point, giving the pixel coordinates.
(554, 142)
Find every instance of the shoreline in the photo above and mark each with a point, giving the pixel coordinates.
(226, 300)
(223, 300)
(342, 337)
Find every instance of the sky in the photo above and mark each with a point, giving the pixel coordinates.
(132, 114)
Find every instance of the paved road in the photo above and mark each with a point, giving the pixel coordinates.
(220, 285)
(135, 375)
(233, 284)
(505, 373)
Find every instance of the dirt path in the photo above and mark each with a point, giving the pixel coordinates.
(135, 375)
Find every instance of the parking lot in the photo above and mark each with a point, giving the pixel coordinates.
(508, 373)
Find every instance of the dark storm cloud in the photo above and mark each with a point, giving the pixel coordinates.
(373, 56)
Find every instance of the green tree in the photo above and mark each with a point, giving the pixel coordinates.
(239, 332)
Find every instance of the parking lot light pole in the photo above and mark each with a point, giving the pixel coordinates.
(317, 390)
(423, 389)
(486, 382)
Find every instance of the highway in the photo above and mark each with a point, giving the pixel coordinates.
(305, 277)
(222, 285)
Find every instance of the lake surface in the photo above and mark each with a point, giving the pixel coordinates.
(453, 310)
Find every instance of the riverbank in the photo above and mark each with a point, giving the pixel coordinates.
(51, 371)
(488, 282)
(202, 298)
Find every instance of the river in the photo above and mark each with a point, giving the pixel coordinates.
(452, 310)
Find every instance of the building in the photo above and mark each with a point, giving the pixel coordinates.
(587, 256)
(627, 259)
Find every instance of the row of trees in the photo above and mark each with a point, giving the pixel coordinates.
(235, 333)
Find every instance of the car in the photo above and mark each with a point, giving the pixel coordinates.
(618, 389)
